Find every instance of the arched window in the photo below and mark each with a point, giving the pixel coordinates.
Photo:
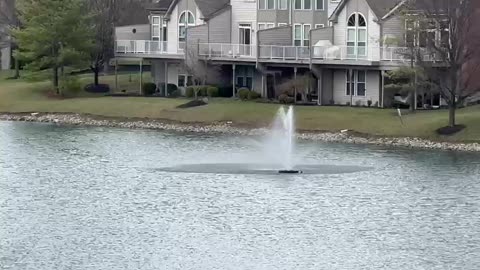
(186, 20)
(356, 35)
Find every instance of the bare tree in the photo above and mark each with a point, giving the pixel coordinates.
(200, 69)
(295, 86)
(453, 60)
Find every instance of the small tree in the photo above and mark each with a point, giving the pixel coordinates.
(453, 60)
(198, 68)
(400, 81)
(296, 86)
(54, 33)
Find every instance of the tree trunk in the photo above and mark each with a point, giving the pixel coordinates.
(55, 80)
(17, 69)
(95, 76)
(451, 116)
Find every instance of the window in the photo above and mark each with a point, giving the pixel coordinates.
(356, 83)
(298, 4)
(186, 19)
(356, 35)
(320, 4)
(282, 24)
(262, 26)
(423, 33)
(319, 26)
(266, 4)
(244, 76)
(306, 35)
(301, 35)
(156, 28)
(303, 4)
(184, 80)
(283, 4)
(270, 25)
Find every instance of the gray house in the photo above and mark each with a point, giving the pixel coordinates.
(341, 46)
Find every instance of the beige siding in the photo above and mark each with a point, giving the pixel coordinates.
(394, 28)
(276, 36)
(322, 34)
(244, 11)
(142, 32)
(198, 34)
(340, 29)
(220, 28)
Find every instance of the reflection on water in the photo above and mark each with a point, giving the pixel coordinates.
(97, 198)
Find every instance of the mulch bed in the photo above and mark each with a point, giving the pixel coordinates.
(191, 104)
(448, 131)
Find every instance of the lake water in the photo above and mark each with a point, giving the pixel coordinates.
(99, 198)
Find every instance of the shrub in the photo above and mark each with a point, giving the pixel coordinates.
(225, 91)
(170, 88)
(243, 93)
(101, 88)
(349, 104)
(175, 94)
(202, 90)
(149, 89)
(358, 103)
(369, 103)
(70, 86)
(376, 104)
(253, 95)
(212, 91)
(190, 92)
(285, 99)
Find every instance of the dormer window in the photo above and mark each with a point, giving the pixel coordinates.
(186, 20)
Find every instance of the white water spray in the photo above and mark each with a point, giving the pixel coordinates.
(280, 144)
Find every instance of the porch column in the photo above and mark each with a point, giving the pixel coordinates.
(141, 75)
(295, 69)
(352, 79)
(234, 66)
(382, 74)
(166, 79)
(320, 88)
(116, 75)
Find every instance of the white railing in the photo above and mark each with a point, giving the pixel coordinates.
(225, 50)
(146, 47)
(355, 53)
(284, 53)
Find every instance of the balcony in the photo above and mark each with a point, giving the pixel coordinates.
(228, 51)
(142, 48)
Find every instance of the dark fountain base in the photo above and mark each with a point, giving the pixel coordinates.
(289, 172)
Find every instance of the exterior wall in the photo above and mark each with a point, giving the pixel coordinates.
(372, 93)
(281, 36)
(327, 92)
(322, 34)
(142, 32)
(269, 16)
(394, 28)
(172, 26)
(244, 11)
(197, 34)
(220, 28)
(340, 29)
(5, 60)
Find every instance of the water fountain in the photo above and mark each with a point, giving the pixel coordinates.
(275, 154)
(281, 140)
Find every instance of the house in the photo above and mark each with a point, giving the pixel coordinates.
(344, 47)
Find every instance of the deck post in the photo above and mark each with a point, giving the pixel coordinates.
(382, 73)
(141, 75)
(166, 79)
(233, 80)
(320, 88)
(116, 75)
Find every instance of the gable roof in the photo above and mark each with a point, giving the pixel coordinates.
(160, 5)
(379, 7)
(210, 7)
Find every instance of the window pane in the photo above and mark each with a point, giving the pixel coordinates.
(261, 4)
(156, 31)
(181, 80)
(352, 21)
(361, 89)
(351, 35)
(271, 4)
(270, 25)
(307, 4)
(306, 32)
(182, 18)
(189, 80)
(249, 84)
(240, 82)
(181, 33)
(362, 35)
(298, 42)
(320, 4)
(298, 4)
(282, 4)
(165, 35)
(298, 32)
(191, 19)
(362, 76)
(361, 21)
(261, 26)
(156, 20)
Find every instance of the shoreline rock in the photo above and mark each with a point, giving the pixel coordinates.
(228, 128)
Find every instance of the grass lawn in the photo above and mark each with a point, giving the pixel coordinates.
(24, 96)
